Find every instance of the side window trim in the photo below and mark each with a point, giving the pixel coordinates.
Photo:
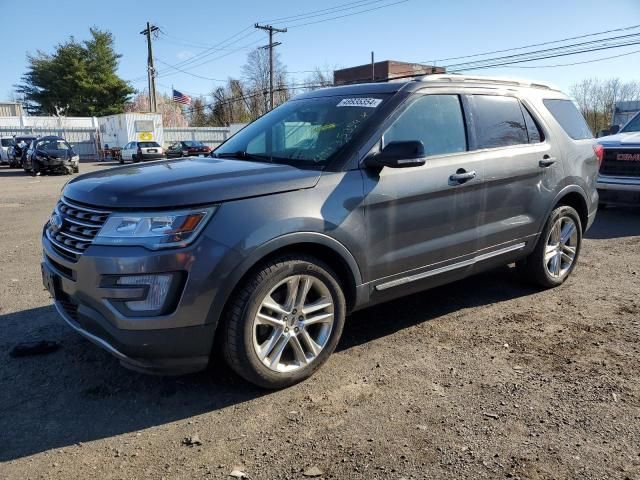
(526, 111)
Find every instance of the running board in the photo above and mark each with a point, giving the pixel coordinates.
(448, 268)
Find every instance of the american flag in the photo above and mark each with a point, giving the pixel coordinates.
(181, 97)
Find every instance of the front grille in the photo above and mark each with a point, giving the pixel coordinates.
(620, 168)
(79, 227)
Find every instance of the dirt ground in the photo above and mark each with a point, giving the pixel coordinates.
(484, 378)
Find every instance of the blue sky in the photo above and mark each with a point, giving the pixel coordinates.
(415, 30)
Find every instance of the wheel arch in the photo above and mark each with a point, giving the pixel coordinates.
(573, 196)
(318, 245)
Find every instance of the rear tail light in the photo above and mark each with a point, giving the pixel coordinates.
(599, 151)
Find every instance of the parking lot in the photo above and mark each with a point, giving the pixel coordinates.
(484, 378)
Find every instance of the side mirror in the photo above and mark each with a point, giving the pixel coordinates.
(399, 155)
(613, 129)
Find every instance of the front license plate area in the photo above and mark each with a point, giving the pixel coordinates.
(50, 280)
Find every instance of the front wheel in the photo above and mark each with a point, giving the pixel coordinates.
(557, 250)
(284, 322)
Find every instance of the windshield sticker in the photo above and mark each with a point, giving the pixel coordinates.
(360, 102)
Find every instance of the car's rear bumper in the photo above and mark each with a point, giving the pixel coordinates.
(152, 156)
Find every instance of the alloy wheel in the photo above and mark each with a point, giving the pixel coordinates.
(561, 247)
(294, 323)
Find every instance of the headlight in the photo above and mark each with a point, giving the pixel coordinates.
(75, 158)
(154, 230)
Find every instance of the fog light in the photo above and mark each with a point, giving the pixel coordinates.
(158, 289)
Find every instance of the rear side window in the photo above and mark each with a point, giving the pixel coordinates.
(569, 117)
(436, 120)
(498, 121)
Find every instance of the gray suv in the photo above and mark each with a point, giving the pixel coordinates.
(337, 200)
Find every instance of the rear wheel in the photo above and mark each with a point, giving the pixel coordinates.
(556, 253)
(284, 322)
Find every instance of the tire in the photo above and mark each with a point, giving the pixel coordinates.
(135, 159)
(548, 265)
(76, 169)
(243, 334)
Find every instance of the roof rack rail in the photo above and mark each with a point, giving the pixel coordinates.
(454, 78)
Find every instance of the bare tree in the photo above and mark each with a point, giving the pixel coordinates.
(319, 78)
(596, 98)
(256, 74)
(172, 113)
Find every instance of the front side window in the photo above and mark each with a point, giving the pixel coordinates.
(307, 132)
(498, 121)
(633, 125)
(436, 120)
(569, 117)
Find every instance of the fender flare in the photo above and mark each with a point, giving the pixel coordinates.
(565, 191)
(264, 250)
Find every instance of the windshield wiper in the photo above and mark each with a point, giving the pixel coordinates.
(242, 155)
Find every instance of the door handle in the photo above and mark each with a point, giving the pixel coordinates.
(546, 161)
(462, 176)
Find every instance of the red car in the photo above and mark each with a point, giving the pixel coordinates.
(187, 148)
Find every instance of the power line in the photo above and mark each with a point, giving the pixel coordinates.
(576, 63)
(632, 27)
(180, 66)
(188, 73)
(327, 11)
(347, 15)
(214, 48)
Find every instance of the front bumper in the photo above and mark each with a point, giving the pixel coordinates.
(175, 343)
(619, 190)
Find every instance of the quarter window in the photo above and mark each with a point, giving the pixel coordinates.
(498, 121)
(569, 117)
(436, 120)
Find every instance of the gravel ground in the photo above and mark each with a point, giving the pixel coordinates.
(484, 378)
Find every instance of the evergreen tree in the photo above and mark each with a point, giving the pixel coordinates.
(80, 75)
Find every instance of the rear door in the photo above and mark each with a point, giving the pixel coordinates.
(521, 169)
(420, 219)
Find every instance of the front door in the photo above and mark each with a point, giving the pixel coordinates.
(422, 220)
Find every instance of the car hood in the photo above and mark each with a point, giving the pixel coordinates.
(185, 182)
(623, 139)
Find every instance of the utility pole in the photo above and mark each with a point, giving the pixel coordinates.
(150, 68)
(373, 68)
(271, 31)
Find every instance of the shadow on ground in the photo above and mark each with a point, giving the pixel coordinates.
(615, 222)
(81, 393)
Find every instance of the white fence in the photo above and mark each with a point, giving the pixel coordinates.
(210, 136)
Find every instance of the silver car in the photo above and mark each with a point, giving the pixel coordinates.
(337, 200)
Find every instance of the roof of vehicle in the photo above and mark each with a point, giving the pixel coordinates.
(412, 84)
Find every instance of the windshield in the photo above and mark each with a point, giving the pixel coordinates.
(193, 144)
(633, 125)
(52, 145)
(8, 142)
(307, 132)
